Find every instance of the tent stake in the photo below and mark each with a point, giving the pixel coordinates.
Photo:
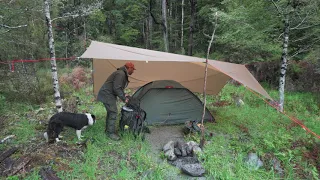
(202, 140)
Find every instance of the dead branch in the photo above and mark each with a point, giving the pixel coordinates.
(6, 138)
(19, 164)
(205, 81)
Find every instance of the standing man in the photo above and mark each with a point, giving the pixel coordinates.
(112, 88)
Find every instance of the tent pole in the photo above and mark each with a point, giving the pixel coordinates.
(202, 140)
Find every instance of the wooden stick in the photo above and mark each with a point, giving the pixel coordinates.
(205, 82)
(6, 138)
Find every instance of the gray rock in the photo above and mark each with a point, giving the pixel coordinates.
(195, 170)
(184, 150)
(196, 150)
(170, 155)
(183, 161)
(177, 152)
(168, 146)
(179, 145)
(190, 145)
(277, 166)
(253, 161)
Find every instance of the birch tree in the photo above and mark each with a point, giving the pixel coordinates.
(52, 57)
(296, 16)
(193, 4)
(182, 19)
(165, 25)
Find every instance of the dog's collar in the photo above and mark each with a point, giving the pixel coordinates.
(90, 120)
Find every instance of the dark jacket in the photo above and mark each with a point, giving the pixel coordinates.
(114, 85)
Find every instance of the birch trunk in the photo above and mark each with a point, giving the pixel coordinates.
(144, 30)
(149, 29)
(191, 28)
(165, 26)
(182, 19)
(205, 82)
(85, 36)
(284, 62)
(52, 57)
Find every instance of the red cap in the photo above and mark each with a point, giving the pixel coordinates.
(129, 65)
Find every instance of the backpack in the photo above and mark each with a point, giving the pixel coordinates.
(133, 117)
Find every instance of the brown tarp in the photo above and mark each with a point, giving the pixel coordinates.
(155, 65)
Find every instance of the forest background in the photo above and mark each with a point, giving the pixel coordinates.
(248, 32)
(266, 35)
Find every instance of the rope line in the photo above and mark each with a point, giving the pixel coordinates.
(36, 60)
(290, 117)
(12, 62)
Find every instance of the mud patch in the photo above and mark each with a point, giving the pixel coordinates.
(34, 154)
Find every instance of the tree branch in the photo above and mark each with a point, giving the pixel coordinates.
(303, 49)
(278, 9)
(302, 38)
(299, 23)
(12, 27)
(206, 35)
(306, 27)
(83, 11)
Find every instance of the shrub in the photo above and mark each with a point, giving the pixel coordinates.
(26, 85)
(77, 78)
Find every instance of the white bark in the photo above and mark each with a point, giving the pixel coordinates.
(150, 25)
(165, 26)
(191, 26)
(52, 57)
(182, 19)
(284, 64)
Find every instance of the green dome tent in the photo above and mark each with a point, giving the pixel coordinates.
(168, 102)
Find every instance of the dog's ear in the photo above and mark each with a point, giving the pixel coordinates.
(93, 117)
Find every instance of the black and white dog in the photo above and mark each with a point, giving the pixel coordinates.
(77, 121)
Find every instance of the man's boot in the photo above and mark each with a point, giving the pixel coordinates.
(111, 130)
(113, 136)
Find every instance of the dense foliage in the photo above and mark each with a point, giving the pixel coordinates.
(247, 31)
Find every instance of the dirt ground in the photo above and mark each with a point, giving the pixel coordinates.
(161, 135)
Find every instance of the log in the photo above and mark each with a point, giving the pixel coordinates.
(18, 165)
(48, 174)
(7, 153)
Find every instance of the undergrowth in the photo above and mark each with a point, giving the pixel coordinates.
(254, 127)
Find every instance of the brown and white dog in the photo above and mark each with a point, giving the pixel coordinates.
(77, 121)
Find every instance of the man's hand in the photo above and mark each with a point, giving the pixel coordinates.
(127, 100)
